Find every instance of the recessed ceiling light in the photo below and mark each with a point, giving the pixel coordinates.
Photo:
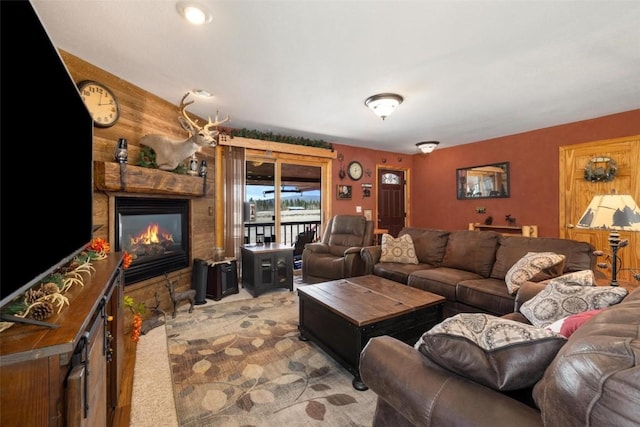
(194, 12)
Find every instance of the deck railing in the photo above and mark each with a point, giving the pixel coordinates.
(289, 231)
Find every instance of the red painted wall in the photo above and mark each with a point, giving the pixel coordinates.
(534, 164)
(369, 159)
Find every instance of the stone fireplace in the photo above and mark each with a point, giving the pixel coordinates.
(155, 231)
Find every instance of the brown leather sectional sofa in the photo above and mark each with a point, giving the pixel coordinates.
(468, 267)
(594, 380)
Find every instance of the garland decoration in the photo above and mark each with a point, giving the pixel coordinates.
(601, 169)
(48, 295)
(269, 136)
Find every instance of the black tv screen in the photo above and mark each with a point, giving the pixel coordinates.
(46, 156)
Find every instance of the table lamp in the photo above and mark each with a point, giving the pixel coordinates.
(614, 212)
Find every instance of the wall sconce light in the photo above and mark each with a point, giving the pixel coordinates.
(427, 146)
(383, 104)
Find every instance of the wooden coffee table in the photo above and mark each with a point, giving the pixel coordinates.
(342, 315)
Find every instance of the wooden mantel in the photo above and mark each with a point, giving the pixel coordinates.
(111, 176)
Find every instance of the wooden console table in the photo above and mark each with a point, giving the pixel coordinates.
(69, 375)
(523, 230)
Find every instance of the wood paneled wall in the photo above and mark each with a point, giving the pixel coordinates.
(143, 113)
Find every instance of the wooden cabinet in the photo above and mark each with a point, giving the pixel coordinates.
(68, 375)
(523, 230)
(266, 267)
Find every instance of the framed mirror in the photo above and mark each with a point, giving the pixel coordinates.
(482, 182)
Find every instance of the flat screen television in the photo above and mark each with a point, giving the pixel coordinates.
(46, 156)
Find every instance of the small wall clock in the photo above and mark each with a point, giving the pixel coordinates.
(355, 170)
(101, 103)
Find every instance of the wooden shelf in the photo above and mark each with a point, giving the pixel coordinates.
(523, 230)
(108, 176)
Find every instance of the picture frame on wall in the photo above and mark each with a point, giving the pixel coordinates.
(344, 192)
(368, 214)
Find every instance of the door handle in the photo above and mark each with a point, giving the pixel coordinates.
(570, 226)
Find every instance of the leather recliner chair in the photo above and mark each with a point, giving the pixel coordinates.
(337, 255)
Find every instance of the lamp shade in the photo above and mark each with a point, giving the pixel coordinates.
(427, 146)
(611, 212)
(383, 104)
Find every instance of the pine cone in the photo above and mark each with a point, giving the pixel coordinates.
(72, 265)
(41, 311)
(32, 295)
(49, 288)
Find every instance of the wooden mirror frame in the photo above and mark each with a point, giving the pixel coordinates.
(489, 181)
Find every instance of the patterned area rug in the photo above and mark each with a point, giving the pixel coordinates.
(241, 364)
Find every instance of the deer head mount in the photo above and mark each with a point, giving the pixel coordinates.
(170, 153)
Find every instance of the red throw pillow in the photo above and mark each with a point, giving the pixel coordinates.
(573, 322)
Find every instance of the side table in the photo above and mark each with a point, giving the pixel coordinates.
(266, 267)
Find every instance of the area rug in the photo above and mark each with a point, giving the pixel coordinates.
(242, 364)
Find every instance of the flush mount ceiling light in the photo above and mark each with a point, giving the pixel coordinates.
(194, 12)
(427, 146)
(202, 93)
(383, 104)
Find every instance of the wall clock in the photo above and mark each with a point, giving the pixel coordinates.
(355, 170)
(101, 103)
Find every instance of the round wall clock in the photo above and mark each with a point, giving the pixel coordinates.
(101, 103)
(355, 170)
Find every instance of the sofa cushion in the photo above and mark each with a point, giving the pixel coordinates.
(397, 272)
(429, 243)
(534, 266)
(596, 373)
(440, 280)
(578, 255)
(473, 251)
(559, 299)
(499, 353)
(487, 295)
(399, 249)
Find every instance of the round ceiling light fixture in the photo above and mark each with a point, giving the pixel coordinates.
(383, 104)
(427, 146)
(194, 12)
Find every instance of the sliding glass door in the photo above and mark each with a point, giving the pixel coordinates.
(283, 198)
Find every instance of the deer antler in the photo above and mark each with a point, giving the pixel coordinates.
(183, 111)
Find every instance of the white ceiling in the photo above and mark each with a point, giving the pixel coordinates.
(468, 70)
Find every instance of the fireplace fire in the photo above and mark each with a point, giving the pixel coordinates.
(156, 234)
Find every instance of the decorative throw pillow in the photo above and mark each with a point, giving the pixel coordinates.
(499, 353)
(582, 278)
(559, 299)
(568, 325)
(532, 264)
(398, 250)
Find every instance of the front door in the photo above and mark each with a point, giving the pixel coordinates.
(577, 189)
(392, 210)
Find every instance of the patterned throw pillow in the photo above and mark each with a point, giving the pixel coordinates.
(499, 353)
(559, 299)
(582, 278)
(398, 250)
(531, 265)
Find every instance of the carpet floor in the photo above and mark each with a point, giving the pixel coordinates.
(238, 362)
